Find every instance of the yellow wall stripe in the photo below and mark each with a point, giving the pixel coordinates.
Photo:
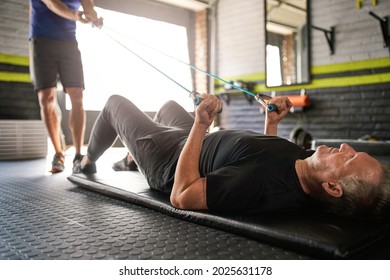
(351, 66)
(328, 82)
(316, 83)
(333, 82)
(14, 59)
(15, 77)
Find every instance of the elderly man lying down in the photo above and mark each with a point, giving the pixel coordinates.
(236, 170)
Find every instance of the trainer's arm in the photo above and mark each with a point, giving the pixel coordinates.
(272, 119)
(59, 8)
(89, 11)
(189, 188)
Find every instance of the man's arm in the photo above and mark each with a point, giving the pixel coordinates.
(89, 11)
(59, 8)
(189, 189)
(89, 14)
(272, 119)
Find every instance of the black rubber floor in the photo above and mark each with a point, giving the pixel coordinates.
(45, 216)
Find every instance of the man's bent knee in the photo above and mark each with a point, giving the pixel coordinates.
(115, 99)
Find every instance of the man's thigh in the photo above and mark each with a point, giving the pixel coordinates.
(70, 65)
(43, 64)
(173, 115)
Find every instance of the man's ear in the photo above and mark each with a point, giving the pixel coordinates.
(333, 188)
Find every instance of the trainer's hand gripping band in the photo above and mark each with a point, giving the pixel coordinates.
(98, 23)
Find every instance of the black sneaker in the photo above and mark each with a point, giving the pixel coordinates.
(57, 165)
(88, 169)
(125, 165)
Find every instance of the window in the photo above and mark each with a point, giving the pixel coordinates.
(110, 68)
(274, 77)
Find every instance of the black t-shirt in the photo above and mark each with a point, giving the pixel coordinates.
(250, 172)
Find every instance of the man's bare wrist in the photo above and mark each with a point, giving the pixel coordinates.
(78, 16)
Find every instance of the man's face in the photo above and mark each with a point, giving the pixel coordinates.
(336, 163)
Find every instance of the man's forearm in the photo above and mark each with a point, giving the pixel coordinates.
(270, 128)
(187, 170)
(61, 9)
(88, 7)
(189, 188)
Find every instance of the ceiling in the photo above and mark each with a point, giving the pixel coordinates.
(285, 16)
(195, 5)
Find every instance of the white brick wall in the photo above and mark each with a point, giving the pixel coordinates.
(241, 34)
(345, 112)
(22, 139)
(14, 27)
(240, 37)
(358, 35)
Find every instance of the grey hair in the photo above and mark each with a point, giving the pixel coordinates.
(362, 200)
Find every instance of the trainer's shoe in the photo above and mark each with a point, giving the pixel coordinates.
(57, 165)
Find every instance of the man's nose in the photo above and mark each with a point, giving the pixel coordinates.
(347, 148)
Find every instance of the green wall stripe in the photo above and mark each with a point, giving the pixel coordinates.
(255, 77)
(332, 83)
(352, 66)
(14, 59)
(326, 82)
(15, 77)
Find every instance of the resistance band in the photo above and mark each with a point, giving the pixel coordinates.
(193, 94)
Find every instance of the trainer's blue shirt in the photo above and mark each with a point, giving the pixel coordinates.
(46, 24)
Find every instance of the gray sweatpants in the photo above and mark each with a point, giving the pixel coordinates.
(155, 144)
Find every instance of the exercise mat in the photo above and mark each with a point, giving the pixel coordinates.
(316, 234)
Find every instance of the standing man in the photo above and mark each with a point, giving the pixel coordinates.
(54, 53)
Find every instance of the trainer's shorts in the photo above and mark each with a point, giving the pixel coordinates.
(52, 59)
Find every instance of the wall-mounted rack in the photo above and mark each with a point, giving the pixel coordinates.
(330, 37)
(385, 28)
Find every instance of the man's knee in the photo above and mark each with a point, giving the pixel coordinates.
(47, 98)
(76, 97)
(115, 99)
(168, 106)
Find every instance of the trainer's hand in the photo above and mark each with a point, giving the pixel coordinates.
(207, 110)
(90, 16)
(81, 17)
(98, 23)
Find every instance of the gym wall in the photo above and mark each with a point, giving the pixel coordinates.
(17, 98)
(349, 91)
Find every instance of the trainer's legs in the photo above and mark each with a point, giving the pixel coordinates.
(48, 103)
(77, 117)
